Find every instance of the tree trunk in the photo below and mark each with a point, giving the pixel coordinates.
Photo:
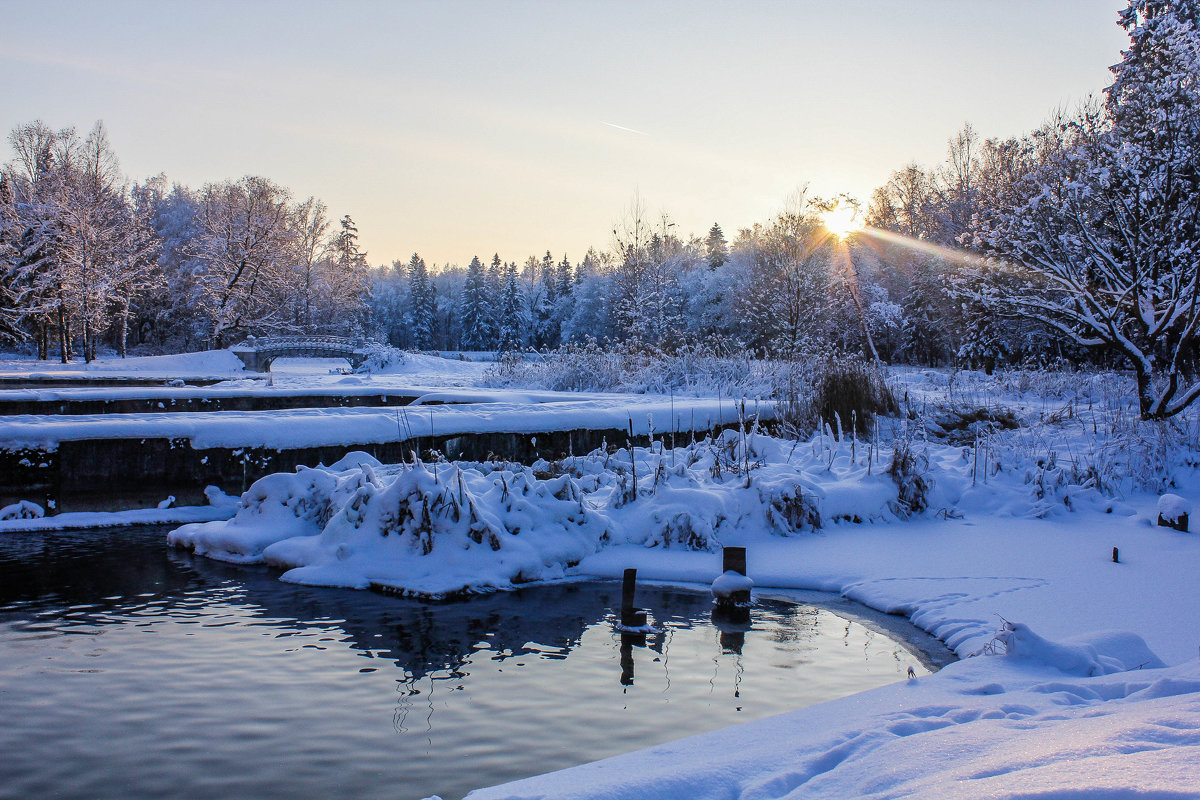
(123, 329)
(1145, 390)
(64, 336)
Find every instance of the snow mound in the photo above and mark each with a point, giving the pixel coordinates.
(214, 362)
(729, 583)
(434, 533)
(1102, 653)
(22, 510)
(1171, 507)
(419, 530)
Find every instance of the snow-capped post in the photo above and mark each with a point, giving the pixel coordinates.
(731, 589)
(1173, 512)
(631, 617)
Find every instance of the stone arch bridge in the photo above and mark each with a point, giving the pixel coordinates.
(257, 354)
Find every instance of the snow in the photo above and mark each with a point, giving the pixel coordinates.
(207, 363)
(293, 428)
(21, 510)
(1077, 671)
(729, 583)
(85, 520)
(1171, 507)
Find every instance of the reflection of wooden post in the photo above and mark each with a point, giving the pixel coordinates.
(733, 641)
(628, 640)
(628, 587)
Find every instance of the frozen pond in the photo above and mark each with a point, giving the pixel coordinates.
(128, 669)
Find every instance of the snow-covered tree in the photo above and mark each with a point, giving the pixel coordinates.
(474, 308)
(512, 314)
(716, 249)
(1101, 240)
(247, 250)
(422, 304)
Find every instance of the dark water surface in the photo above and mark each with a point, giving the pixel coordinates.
(130, 670)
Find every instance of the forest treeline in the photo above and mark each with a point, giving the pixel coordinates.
(1078, 241)
(90, 258)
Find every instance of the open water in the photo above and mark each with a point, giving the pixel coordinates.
(131, 670)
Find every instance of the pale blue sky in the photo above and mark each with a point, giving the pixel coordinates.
(457, 128)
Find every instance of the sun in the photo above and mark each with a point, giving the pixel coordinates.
(842, 220)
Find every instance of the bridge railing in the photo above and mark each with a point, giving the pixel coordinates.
(301, 342)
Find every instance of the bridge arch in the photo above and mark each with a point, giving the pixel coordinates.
(258, 354)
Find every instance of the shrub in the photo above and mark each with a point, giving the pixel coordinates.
(851, 392)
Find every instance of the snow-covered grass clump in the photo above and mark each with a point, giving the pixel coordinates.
(434, 529)
(430, 530)
(441, 528)
(689, 370)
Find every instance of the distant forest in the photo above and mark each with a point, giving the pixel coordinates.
(91, 258)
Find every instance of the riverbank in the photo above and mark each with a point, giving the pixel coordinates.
(1092, 690)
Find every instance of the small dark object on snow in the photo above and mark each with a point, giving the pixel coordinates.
(1115, 559)
(912, 675)
(1180, 523)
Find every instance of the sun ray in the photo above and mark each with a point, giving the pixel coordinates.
(919, 245)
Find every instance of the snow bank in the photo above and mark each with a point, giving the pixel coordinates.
(983, 727)
(205, 363)
(290, 428)
(422, 530)
(444, 528)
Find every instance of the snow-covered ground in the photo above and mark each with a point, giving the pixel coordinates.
(1079, 677)
(449, 402)
(1079, 674)
(417, 368)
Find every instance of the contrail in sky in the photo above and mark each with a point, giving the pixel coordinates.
(623, 128)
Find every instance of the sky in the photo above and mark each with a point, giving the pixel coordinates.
(462, 128)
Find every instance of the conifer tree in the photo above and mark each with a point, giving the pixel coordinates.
(474, 308)
(422, 304)
(715, 247)
(512, 317)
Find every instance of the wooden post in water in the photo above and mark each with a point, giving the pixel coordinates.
(631, 616)
(730, 599)
(733, 558)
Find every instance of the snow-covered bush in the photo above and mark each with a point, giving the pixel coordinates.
(22, 509)
(442, 529)
(910, 471)
(381, 357)
(693, 369)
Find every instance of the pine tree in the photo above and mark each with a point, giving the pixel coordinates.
(495, 287)
(512, 312)
(475, 308)
(564, 279)
(715, 247)
(422, 304)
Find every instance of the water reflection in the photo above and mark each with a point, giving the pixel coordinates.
(212, 669)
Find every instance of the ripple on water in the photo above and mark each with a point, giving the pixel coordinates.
(163, 674)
